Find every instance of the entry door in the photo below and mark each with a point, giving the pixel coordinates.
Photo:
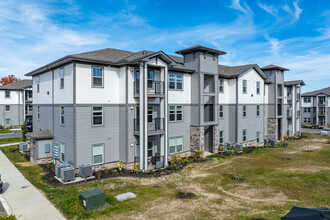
(208, 139)
(151, 121)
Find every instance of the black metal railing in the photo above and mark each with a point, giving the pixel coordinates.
(153, 87)
(154, 124)
(321, 113)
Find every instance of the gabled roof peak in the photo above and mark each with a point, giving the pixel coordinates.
(200, 48)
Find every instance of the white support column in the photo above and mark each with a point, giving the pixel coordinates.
(165, 115)
(145, 117)
(141, 116)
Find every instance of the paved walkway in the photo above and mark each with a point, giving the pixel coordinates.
(4, 145)
(23, 198)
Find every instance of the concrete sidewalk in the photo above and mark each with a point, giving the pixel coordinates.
(4, 145)
(24, 199)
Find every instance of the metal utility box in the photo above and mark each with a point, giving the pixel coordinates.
(24, 147)
(85, 170)
(58, 168)
(92, 199)
(68, 174)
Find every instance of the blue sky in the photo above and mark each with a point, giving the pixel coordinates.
(291, 33)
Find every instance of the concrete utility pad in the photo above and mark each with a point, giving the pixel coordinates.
(125, 196)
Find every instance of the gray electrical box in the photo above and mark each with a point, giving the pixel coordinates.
(24, 147)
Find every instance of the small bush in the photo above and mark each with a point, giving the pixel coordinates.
(136, 168)
(120, 165)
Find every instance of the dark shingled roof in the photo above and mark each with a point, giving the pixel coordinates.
(294, 82)
(17, 85)
(233, 71)
(316, 92)
(108, 54)
(43, 134)
(200, 48)
(274, 67)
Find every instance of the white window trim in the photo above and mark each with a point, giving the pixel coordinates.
(62, 123)
(62, 68)
(62, 152)
(244, 111)
(222, 131)
(223, 114)
(175, 81)
(94, 145)
(38, 112)
(92, 76)
(223, 87)
(7, 91)
(38, 83)
(244, 135)
(244, 80)
(175, 113)
(258, 136)
(9, 121)
(6, 108)
(258, 93)
(258, 115)
(175, 145)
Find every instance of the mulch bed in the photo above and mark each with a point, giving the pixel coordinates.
(49, 177)
(182, 195)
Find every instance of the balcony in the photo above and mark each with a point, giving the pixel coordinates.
(155, 88)
(289, 97)
(321, 104)
(289, 113)
(154, 162)
(298, 96)
(322, 113)
(154, 126)
(28, 100)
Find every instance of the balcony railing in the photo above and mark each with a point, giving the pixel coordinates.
(154, 125)
(153, 87)
(321, 104)
(298, 96)
(154, 162)
(321, 113)
(28, 112)
(289, 113)
(289, 98)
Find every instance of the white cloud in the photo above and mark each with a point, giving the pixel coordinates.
(295, 12)
(269, 8)
(235, 4)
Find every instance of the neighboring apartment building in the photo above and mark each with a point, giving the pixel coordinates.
(108, 105)
(292, 91)
(16, 103)
(315, 107)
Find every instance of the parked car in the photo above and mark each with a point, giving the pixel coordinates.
(325, 131)
(29, 126)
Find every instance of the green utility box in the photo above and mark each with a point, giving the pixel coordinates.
(92, 199)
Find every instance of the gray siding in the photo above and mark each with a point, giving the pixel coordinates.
(46, 118)
(15, 115)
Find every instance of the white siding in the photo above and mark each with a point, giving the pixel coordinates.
(44, 96)
(181, 96)
(16, 97)
(251, 96)
(64, 96)
(229, 94)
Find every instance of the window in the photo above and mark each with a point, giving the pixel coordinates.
(175, 144)
(38, 112)
(244, 135)
(176, 113)
(7, 94)
(307, 99)
(308, 109)
(221, 89)
(307, 120)
(175, 81)
(221, 136)
(258, 88)
(97, 115)
(221, 111)
(97, 77)
(47, 148)
(98, 152)
(150, 114)
(244, 86)
(258, 136)
(31, 108)
(62, 115)
(244, 111)
(150, 78)
(258, 110)
(8, 122)
(38, 83)
(7, 108)
(62, 158)
(62, 78)
(305, 109)
(30, 94)
(150, 149)
(298, 113)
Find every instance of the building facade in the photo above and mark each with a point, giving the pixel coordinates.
(16, 103)
(112, 105)
(315, 108)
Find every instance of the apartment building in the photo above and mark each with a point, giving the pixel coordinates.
(111, 105)
(16, 103)
(293, 103)
(315, 107)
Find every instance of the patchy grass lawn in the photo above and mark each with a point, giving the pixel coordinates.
(272, 186)
(5, 131)
(10, 140)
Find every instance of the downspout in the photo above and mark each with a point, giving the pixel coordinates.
(236, 112)
(19, 108)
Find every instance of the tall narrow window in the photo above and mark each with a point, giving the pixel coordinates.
(221, 89)
(179, 113)
(38, 112)
(221, 111)
(258, 88)
(97, 77)
(150, 149)
(221, 136)
(62, 148)
(171, 83)
(38, 83)
(97, 115)
(7, 94)
(7, 108)
(62, 115)
(244, 111)
(258, 136)
(172, 113)
(62, 78)
(244, 86)
(244, 135)
(258, 110)
(178, 81)
(150, 114)
(172, 145)
(8, 122)
(305, 109)
(150, 78)
(98, 152)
